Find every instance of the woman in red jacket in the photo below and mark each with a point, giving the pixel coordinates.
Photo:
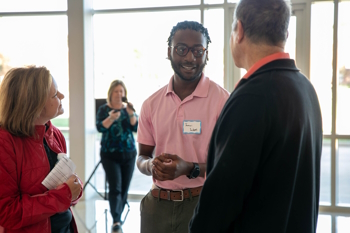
(29, 145)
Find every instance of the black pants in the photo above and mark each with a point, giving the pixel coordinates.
(119, 168)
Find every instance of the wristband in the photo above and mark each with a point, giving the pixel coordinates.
(110, 118)
(131, 115)
(148, 165)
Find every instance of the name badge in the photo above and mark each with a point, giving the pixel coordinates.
(192, 127)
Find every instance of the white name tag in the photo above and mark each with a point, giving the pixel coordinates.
(192, 127)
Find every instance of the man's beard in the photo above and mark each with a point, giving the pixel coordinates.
(194, 77)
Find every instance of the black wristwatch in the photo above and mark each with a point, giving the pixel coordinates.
(195, 172)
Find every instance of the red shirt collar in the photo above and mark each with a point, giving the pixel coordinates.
(264, 61)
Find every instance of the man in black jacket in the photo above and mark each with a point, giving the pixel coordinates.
(263, 171)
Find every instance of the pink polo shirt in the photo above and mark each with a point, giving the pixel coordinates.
(162, 119)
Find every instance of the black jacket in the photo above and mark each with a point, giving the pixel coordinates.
(263, 172)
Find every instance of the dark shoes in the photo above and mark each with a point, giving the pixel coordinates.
(117, 228)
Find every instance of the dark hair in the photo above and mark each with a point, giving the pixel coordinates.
(263, 21)
(189, 25)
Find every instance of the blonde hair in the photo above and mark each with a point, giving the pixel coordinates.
(111, 89)
(23, 95)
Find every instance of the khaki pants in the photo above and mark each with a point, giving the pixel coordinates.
(163, 216)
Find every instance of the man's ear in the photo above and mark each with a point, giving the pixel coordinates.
(239, 32)
(207, 55)
(169, 53)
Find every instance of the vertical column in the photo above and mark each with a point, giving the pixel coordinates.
(334, 145)
(303, 33)
(82, 104)
(231, 71)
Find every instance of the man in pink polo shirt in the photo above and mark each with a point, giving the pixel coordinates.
(175, 126)
(263, 172)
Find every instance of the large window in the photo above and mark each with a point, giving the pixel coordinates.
(343, 71)
(130, 43)
(32, 5)
(136, 53)
(321, 58)
(321, 78)
(41, 41)
(330, 74)
(214, 22)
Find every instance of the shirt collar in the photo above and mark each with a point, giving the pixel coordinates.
(44, 131)
(201, 90)
(262, 62)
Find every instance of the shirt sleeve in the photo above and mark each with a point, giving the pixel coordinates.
(133, 128)
(233, 159)
(145, 128)
(101, 115)
(17, 208)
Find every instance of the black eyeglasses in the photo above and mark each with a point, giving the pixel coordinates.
(182, 50)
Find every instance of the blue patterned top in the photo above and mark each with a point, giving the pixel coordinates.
(118, 137)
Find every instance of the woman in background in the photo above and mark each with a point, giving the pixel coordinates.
(117, 121)
(29, 145)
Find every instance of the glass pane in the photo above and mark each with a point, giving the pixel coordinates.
(236, 1)
(343, 224)
(112, 4)
(213, 1)
(325, 190)
(343, 94)
(32, 5)
(138, 58)
(41, 41)
(214, 22)
(291, 40)
(343, 173)
(321, 57)
(100, 175)
(324, 224)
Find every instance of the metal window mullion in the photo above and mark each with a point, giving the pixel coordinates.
(333, 219)
(202, 11)
(336, 211)
(345, 137)
(302, 53)
(33, 13)
(231, 72)
(145, 9)
(159, 9)
(334, 115)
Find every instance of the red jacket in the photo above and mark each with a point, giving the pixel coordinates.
(25, 204)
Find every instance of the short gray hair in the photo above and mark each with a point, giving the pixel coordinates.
(263, 21)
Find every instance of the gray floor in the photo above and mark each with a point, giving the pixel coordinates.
(93, 216)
